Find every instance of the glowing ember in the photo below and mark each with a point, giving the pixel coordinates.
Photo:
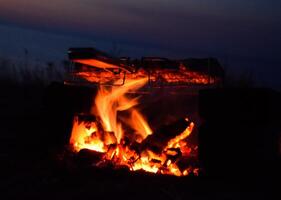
(181, 76)
(124, 141)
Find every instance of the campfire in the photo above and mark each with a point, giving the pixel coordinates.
(116, 132)
(121, 136)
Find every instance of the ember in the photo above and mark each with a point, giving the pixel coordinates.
(95, 67)
(163, 76)
(128, 140)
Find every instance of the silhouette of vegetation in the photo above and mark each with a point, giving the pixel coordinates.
(19, 73)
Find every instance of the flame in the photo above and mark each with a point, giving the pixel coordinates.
(109, 101)
(175, 142)
(83, 136)
(140, 125)
(107, 133)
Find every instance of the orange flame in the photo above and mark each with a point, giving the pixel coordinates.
(109, 102)
(82, 137)
(107, 135)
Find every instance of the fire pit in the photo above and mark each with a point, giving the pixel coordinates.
(115, 132)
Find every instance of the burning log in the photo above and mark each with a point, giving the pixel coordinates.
(160, 138)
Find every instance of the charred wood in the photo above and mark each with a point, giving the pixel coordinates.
(160, 138)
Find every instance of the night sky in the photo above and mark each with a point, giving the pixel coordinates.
(244, 35)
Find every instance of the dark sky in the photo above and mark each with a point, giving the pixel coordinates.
(245, 34)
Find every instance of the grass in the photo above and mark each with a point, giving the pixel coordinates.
(21, 73)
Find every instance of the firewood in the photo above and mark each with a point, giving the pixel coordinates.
(159, 139)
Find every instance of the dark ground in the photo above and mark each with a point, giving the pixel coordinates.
(30, 167)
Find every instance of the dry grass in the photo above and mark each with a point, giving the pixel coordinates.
(22, 73)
